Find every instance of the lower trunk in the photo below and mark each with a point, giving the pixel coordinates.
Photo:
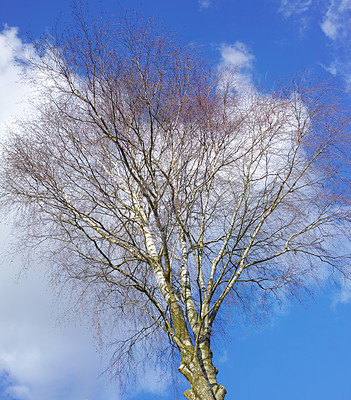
(197, 393)
(202, 388)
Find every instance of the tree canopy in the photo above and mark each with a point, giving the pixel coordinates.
(168, 194)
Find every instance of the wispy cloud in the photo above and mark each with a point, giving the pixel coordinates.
(298, 10)
(290, 7)
(336, 23)
(344, 296)
(336, 26)
(204, 3)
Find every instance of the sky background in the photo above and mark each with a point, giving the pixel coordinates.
(301, 351)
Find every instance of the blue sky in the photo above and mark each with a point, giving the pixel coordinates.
(300, 352)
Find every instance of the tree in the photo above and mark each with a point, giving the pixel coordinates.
(169, 194)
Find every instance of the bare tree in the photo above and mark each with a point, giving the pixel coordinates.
(166, 192)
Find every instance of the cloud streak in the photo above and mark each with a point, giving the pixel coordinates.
(335, 25)
(290, 7)
(204, 3)
(337, 28)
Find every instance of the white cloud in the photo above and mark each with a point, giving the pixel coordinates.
(40, 359)
(19, 392)
(330, 28)
(11, 88)
(238, 57)
(43, 360)
(151, 382)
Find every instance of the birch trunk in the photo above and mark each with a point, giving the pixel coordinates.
(203, 387)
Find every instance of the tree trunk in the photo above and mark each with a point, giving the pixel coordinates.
(203, 385)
